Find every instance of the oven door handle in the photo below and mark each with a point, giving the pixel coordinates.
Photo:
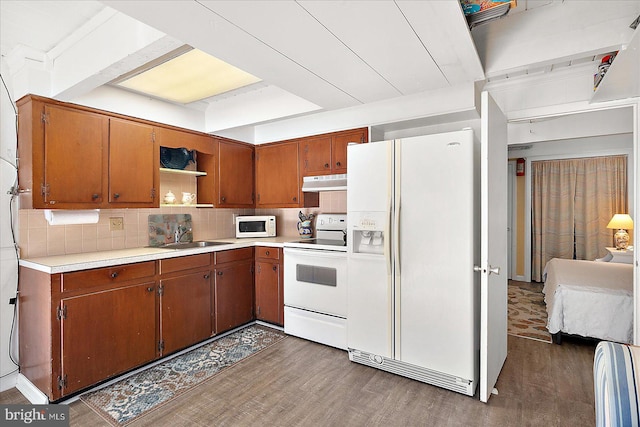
(315, 253)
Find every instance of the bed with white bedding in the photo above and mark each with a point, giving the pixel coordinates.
(589, 298)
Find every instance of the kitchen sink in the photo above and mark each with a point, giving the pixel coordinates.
(190, 245)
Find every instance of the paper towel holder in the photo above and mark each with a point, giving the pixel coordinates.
(69, 217)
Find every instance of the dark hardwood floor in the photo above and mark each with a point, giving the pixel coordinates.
(300, 383)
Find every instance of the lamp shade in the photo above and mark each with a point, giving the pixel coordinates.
(621, 222)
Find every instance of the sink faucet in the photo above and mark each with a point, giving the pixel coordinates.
(181, 230)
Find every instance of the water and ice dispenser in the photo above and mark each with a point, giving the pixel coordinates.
(368, 233)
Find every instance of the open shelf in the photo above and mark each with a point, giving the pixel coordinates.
(182, 172)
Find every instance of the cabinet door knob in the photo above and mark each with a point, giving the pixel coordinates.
(338, 163)
(219, 273)
(275, 268)
(114, 274)
(94, 196)
(326, 165)
(206, 276)
(150, 289)
(116, 195)
(295, 199)
(223, 198)
(267, 253)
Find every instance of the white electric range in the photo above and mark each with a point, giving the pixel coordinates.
(315, 284)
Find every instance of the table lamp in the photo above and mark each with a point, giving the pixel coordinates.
(621, 222)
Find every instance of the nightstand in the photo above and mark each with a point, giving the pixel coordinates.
(621, 256)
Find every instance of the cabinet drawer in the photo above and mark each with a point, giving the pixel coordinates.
(184, 263)
(267, 252)
(222, 257)
(103, 276)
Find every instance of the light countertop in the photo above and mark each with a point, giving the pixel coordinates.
(84, 261)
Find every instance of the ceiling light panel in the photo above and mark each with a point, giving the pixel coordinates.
(189, 77)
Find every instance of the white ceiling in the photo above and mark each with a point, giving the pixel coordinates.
(332, 54)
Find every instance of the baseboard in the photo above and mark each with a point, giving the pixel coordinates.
(270, 325)
(520, 279)
(9, 381)
(30, 391)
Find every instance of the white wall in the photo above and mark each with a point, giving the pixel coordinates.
(8, 261)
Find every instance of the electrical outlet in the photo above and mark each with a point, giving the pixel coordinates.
(116, 223)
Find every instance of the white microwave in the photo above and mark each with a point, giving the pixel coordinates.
(256, 226)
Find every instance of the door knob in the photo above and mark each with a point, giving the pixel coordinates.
(477, 268)
(494, 270)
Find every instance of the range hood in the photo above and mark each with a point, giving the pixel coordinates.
(314, 184)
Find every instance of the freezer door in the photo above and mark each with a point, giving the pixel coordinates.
(370, 272)
(435, 250)
(369, 182)
(369, 305)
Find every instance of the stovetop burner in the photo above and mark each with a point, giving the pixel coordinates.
(329, 242)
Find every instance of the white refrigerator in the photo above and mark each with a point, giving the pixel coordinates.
(413, 242)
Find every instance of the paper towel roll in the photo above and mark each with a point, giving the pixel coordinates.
(62, 217)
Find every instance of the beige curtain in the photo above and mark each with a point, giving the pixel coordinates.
(601, 192)
(572, 203)
(553, 203)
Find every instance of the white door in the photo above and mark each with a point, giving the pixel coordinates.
(493, 238)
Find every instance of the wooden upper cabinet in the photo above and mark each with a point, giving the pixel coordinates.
(178, 138)
(315, 156)
(74, 165)
(74, 157)
(277, 177)
(236, 177)
(133, 164)
(339, 148)
(327, 154)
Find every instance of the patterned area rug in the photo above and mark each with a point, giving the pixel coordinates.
(126, 400)
(527, 311)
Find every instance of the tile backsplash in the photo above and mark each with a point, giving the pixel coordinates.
(36, 238)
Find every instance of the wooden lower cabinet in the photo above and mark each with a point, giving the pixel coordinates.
(79, 328)
(185, 311)
(107, 333)
(185, 301)
(233, 288)
(268, 284)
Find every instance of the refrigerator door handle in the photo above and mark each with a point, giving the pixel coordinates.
(388, 224)
(397, 206)
(385, 239)
(396, 237)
